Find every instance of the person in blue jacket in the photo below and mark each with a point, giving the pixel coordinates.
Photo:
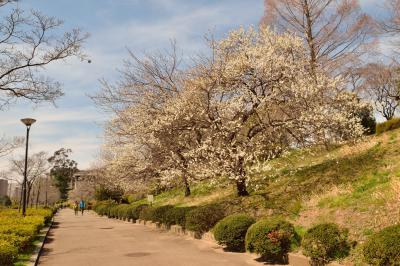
(82, 205)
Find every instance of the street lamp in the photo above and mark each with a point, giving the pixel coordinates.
(28, 123)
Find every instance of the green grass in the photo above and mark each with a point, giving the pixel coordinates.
(23, 258)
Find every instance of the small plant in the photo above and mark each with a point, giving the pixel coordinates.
(271, 238)
(231, 231)
(383, 248)
(203, 218)
(326, 242)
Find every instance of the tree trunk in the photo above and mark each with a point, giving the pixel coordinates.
(37, 195)
(241, 188)
(28, 194)
(32, 198)
(241, 182)
(186, 184)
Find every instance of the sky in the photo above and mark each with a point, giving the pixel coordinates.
(114, 26)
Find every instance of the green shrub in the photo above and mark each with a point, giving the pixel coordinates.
(383, 248)
(231, 231)
(8, 253)
(159, 214)
(5, 201)
(391, 124)
(103, 208)
(367, 119)
(203, 218)
(177, 216)
(326, 242)
(122, 211)
(136, 209)
(271, 238)
(146, 213)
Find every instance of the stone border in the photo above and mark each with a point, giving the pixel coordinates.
(34, 259)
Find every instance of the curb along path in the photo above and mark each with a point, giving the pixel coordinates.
(93, 240)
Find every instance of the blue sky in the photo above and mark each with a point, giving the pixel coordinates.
(114, 26)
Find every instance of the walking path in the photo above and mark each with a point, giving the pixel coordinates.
(92, 240)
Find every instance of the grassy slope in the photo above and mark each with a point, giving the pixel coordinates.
(357, 186)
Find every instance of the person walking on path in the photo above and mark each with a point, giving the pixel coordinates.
(82, 206)
(76, 207)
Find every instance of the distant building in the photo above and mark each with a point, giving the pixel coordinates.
(14, 191)
(3, 187)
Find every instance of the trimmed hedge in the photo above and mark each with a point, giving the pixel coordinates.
(203, 218)
(271, 238)
(137, 208)
(121, 211)
(103, 208)
(231, 231)
(383, 248)
(159, 214)
(146, 213)
(391, 124)
(325, 242)
(177, 216)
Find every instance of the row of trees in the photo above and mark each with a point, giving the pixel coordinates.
(48, 178)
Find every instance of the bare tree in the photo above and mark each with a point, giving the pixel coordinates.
(146, 87)
(7, 145)
(29, 41)
(335, 31)
(381, 85)
(392, 23)
(38, 166)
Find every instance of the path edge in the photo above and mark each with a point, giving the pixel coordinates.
(34, 259)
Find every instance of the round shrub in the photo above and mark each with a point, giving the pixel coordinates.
(231, 231)
(177, 216)
(271, 238)
(383, 248)
(203, 218)
(326, 242)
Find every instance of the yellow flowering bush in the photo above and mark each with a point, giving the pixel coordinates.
(17, 232)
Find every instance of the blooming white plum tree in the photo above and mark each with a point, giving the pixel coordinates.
(253, 98)
(260, 99)
(147, 136)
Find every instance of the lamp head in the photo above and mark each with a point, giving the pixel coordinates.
(28, 121)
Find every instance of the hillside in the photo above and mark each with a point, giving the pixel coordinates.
(357, 186)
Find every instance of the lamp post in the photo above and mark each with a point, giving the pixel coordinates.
(28, 123)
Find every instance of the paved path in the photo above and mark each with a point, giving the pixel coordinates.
(92, 240)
